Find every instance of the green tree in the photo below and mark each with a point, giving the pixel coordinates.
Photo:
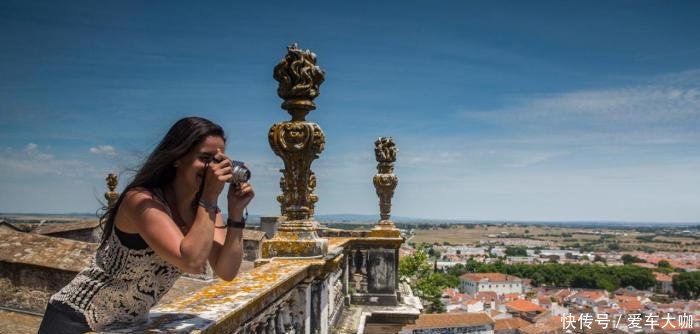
(425, 282)
(638, 277)
(415, 265)
(629, 259)
(516, 251)
(664, 264)
(429, 291)
(687, 285)
(566, 275)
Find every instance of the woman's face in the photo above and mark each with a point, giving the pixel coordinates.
(190, 168)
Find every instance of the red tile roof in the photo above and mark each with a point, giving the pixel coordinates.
(486, 296)
(525, 306)
(449, 320)
(544, 300)
(512, 323)
(661, 277)
(590, 294)
(550, 325)
(490, 277)
(629, 303)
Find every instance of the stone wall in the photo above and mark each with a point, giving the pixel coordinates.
(86, 235)
(28, 287)
(251, 250)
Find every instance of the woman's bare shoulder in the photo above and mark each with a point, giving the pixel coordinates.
(142, 198)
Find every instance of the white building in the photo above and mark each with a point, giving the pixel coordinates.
(498, 251)
(465, 250)
(495, 282)
(446, 264)
(561, 253)
(520, 259)
(589, 297)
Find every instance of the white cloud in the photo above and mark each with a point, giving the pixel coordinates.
(32, 150)
(526, 159)
(664, 106)
(35, 160)
(31, 147)
(103, 149)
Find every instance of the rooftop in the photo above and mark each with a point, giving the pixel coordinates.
(490, 277)
(44, 251)
(661, 277)
(522, 305)
(486, 295)
(50, 228)
(257, 235)
(550, 325)
(590, 294)
(629, 303)
(446, 320)
(512, 323)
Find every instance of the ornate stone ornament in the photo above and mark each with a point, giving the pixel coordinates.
(385, 182)
(298, 143)
(111, 195)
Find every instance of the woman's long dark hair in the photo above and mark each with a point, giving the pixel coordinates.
(158, 170)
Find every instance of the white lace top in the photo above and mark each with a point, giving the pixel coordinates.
(120, 286)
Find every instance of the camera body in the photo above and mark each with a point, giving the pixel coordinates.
(240, 172)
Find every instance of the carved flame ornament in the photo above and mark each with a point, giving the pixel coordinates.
(111, 196)
(298, 143)
(385, 182)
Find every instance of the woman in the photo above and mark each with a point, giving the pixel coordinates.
(165, 222)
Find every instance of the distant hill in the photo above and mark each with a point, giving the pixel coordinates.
(349, 218)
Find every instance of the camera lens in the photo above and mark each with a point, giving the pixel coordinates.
(240, 172)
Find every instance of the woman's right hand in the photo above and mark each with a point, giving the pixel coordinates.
(217, 173)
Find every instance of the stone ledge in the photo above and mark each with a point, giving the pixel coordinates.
(224, 306)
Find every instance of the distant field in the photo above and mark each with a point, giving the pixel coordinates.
(564, 236)
(461, 235)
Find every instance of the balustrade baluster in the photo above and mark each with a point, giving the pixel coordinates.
(271, 319)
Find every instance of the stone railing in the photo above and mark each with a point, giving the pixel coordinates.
(287, 295)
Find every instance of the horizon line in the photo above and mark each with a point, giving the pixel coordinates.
(402, 219)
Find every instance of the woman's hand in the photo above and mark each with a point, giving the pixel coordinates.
(238, 198)
(217, 173)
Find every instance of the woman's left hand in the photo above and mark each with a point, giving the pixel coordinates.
(239, 197)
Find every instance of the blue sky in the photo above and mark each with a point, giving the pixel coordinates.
(501, 110)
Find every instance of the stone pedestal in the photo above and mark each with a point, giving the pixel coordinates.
(295, 239)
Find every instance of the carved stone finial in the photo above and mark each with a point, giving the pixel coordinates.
(385, 150)
(111, 196)
(298, 143)
(299, 79)
(384, 183)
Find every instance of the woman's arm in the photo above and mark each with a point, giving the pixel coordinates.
(227, 250)
(148, 216)
(156, 227)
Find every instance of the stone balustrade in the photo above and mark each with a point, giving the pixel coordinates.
(290, 295)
